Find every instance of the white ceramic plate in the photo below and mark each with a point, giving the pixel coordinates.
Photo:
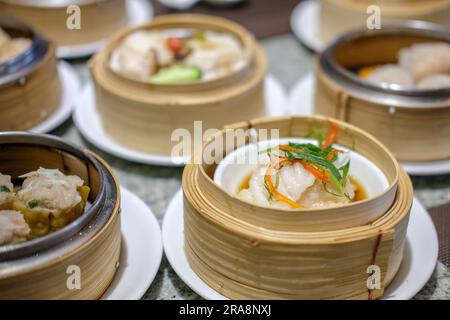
(88, 121)
(138, 11)
(70, 86)
(305, 22)
(141, 251)
(301, 101)
(418, 263)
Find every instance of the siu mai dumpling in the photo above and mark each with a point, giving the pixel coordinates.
(391, 74)
(425, 59)
(6, 192)
(13, 228)
(50, 200)
(436, 81)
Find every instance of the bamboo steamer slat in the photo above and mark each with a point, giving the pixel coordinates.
(339, 16)
(92, 242)
(256, 256)
(98, 19)
(33, 98)
(413, 125)
(153, 111)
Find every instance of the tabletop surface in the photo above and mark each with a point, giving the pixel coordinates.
(288, 61)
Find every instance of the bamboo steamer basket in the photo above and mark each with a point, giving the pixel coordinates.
(339, 16)
(38, 269)
(98, 18)
(30, 88)
(154, 111)
(413, 124)
(245, 251)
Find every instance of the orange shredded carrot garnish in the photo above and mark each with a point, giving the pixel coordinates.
(319, 174)
(331, 137)
(274, 192)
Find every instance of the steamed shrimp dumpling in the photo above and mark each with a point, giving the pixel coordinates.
(391, 74)
(436, 81)
(425, 59)
(292, 180)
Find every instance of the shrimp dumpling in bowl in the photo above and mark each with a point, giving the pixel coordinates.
(288, 182)
(291, 180)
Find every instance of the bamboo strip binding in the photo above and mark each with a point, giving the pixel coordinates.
(245, 258)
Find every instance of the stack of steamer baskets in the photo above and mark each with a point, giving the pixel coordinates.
(30, 88)
(143, 115)
(91, 242)
(246, 251)
(51, 17)
(413, 123)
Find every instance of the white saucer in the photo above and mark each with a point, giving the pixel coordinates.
(305, 20)
(418, 263)
(70, 85)
(141, 252)
(138, 11)
(88, 122)
(301, 101)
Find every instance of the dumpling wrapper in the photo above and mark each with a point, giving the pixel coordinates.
(217, 55)
(425, 59)
(436, 81)
(391, 74)
(51, 189)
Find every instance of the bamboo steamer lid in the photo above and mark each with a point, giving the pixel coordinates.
(154, 111)
(413, 124)
(38, 269)
(339, 16)
(30, 88)
(98, 18)
(253, 258)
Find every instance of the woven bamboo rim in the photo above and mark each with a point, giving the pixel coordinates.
(94, 249)
(154, 111)
(244, 258)
(413, 124)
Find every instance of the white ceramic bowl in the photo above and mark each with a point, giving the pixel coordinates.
(239, 164)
